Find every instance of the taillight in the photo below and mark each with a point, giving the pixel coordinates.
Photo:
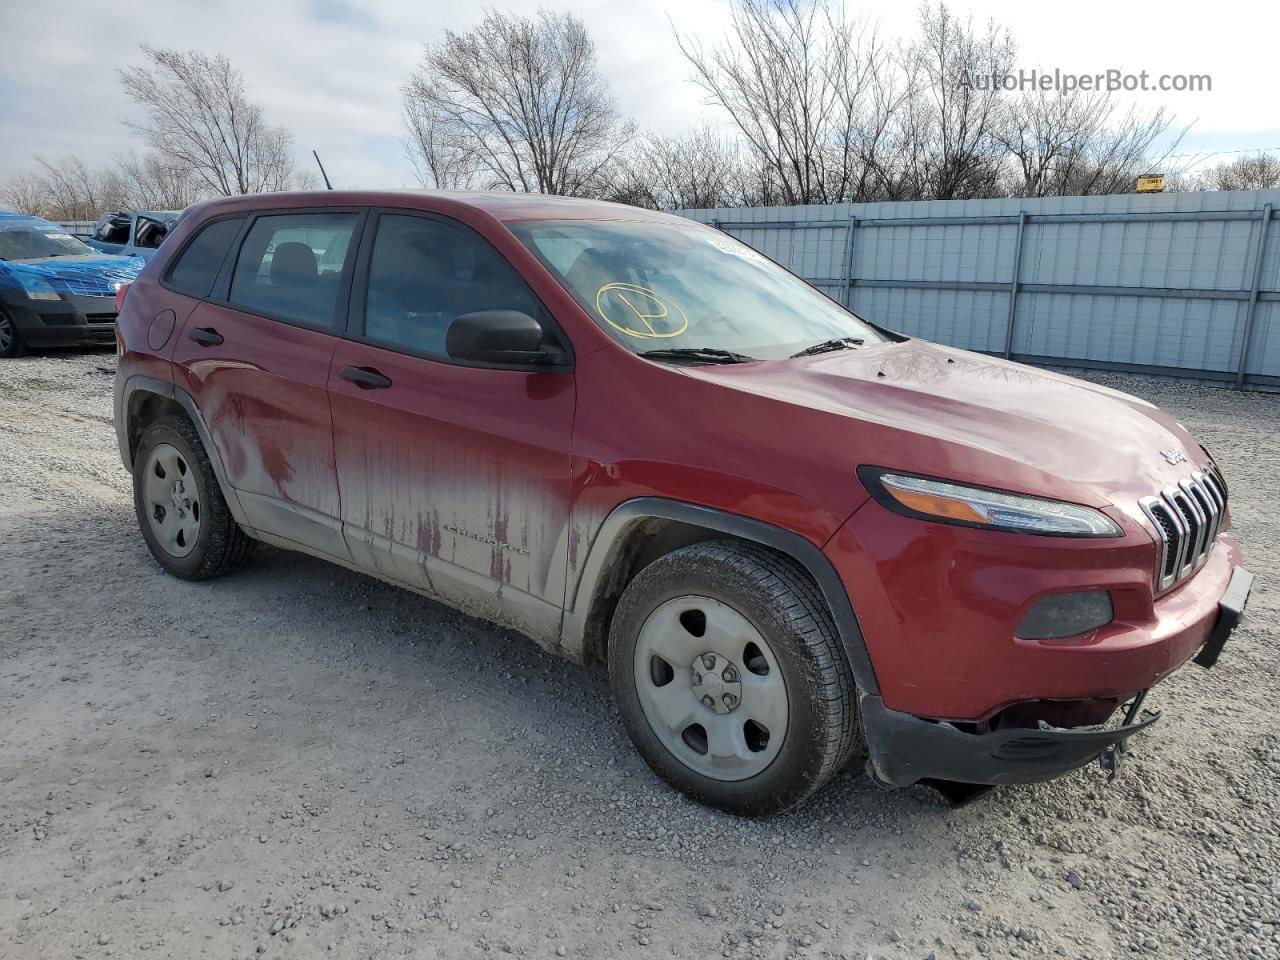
(120, 293)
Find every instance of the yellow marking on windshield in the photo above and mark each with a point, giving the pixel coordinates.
(639, 312)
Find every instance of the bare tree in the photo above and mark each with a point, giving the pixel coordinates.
(696, 170)
(440, 160)
(1079, 143)
(802, 81)
(154, 182)
(68, 189)
(516, 104)
(25, 193)
(199, 118)
(830, 113)
(948, 124)
(1257, 171)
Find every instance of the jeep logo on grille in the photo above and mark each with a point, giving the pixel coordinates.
(1174, 455)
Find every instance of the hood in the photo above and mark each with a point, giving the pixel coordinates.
(85, 276)
(916, 406)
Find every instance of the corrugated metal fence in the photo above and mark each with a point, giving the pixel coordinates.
(1183, 283)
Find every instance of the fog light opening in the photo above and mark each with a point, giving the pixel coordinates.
(1061, 615)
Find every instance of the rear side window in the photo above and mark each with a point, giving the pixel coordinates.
(424, 273)
(290, 266)
(197, 266)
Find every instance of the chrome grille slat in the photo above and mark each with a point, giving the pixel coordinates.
(1198, 524)
(1173, 497)
(1209, 507)
(1187, 518)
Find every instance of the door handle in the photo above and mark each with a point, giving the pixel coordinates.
(366, 378)
(206, 336)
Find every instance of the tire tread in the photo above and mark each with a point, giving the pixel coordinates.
(226, 546)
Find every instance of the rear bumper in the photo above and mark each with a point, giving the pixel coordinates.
(906, 749)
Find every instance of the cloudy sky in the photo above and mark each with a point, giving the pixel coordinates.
(331, 70)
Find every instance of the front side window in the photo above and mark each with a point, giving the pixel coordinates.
(197, 266)
(661, 287)
(424, 273)
(290, 266)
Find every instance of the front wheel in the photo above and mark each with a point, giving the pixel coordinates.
(11, 344)
(727, 671)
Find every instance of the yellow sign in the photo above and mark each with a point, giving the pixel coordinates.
(1151, 183)
(639, 312)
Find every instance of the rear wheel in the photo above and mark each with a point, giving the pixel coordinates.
(11, 344)
(727, 672)
(183, 516)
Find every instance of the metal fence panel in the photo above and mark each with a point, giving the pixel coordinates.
(1185, 283)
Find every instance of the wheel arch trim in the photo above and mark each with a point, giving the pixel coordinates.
(141, 383)
(606, 547)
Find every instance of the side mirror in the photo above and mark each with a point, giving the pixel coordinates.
(506, 337)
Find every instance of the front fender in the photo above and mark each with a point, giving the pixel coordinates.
(606, 553)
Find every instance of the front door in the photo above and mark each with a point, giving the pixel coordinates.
(255, 358)
(454, 479)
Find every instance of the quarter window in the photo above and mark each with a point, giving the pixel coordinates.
(290, 266)
(197, 266)
(424, 273)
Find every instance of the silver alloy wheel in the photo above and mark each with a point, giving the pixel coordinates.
(171, 500)
(7, 334)
(711, 688)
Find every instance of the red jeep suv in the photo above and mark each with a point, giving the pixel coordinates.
(794, 537)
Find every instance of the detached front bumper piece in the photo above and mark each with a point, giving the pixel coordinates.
(906, 749)
(1230, 613)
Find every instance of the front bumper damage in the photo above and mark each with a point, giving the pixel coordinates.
(906, 749)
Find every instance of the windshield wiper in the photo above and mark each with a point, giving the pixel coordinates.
(698, 355)
(829, 346)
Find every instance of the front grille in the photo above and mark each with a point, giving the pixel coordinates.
(1187, 516)
(100, 317)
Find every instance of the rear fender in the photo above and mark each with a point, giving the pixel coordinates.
(125, 405)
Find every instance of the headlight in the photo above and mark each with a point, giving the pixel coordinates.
(930, 499)
(37, 289)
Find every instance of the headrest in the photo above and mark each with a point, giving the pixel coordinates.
(294, 263)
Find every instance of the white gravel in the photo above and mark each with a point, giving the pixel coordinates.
(298, 761)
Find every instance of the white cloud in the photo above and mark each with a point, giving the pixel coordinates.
(331, 70)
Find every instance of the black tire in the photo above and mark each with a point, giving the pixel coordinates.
(221, 545)
(785, 607)
(11, 344)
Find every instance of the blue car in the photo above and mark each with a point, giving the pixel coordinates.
(55, 289)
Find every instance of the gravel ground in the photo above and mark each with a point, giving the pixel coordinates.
(297, 761)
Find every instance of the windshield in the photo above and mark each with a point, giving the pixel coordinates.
(656, 286)
(32, 240)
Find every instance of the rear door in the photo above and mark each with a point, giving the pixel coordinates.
(255, 357)
(454, 479)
